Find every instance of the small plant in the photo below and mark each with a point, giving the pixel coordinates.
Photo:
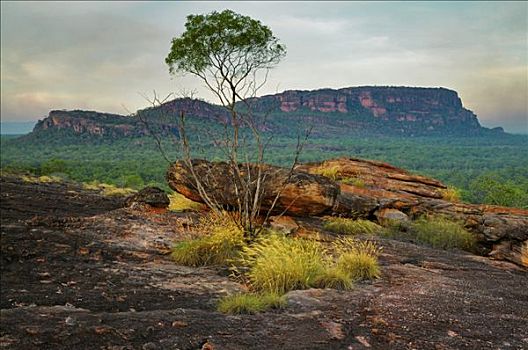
(440, 232)
(358, 259)
(278, 264)
(332, 172)
(451, 194)
(246, 303)
(334, 277)
(221, 244)
(179, 203)
(351, 227)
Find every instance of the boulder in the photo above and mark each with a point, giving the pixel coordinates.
(299, 193)
(153, 196)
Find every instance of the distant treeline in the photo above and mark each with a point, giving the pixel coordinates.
(492, 170)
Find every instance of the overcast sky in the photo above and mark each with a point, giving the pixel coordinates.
(102, 55)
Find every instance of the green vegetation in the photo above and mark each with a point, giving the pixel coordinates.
(246, 303)
(489, 170)
(221, 243)
(358, 258)
(436, 231)
(351, 226)
(278, 264)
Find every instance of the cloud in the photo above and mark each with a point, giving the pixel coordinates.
(100, 55)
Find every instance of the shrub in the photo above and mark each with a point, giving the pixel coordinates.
(250, 303)
(440, 232)
(451, 194)
(351, 227)
(278, 264)
(358, 259)
(221, 244)
(179, 202)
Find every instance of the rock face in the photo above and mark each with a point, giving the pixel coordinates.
(363, 188)
(299, 193)
(378, 110)
(406, 110)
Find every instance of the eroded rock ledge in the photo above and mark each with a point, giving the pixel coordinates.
(362, 188)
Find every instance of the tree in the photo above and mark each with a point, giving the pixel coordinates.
(232, 54)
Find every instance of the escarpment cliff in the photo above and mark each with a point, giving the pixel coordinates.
(406, 111)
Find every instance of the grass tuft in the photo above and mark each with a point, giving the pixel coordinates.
(440, 232)
(222, 243)
(250, 303)
(179, 202)
(351, 226)
(278, 264)
(359, 259)
(334, 277)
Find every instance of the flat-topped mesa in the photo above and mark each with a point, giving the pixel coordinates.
(411, 109)
(352, 187)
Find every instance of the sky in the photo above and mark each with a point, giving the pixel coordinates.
(105, 55)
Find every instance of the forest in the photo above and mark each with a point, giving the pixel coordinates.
(486, 169)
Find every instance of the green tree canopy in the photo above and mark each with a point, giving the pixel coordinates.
(225, 50)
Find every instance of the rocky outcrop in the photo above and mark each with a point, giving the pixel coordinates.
(362, 188)
(502, 232)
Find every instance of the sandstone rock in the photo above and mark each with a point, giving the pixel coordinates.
(153, 196)
(285, 224)
(300, 194)
(387, 214)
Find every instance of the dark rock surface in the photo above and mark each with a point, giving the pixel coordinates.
(153, 196)
(104, 281)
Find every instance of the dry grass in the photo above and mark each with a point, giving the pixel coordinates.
(40, 179)
(107, 189)
(250, 303)
(222, 242)
(179, 203)
(278, 264)
(358, 259)
(351, 226)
